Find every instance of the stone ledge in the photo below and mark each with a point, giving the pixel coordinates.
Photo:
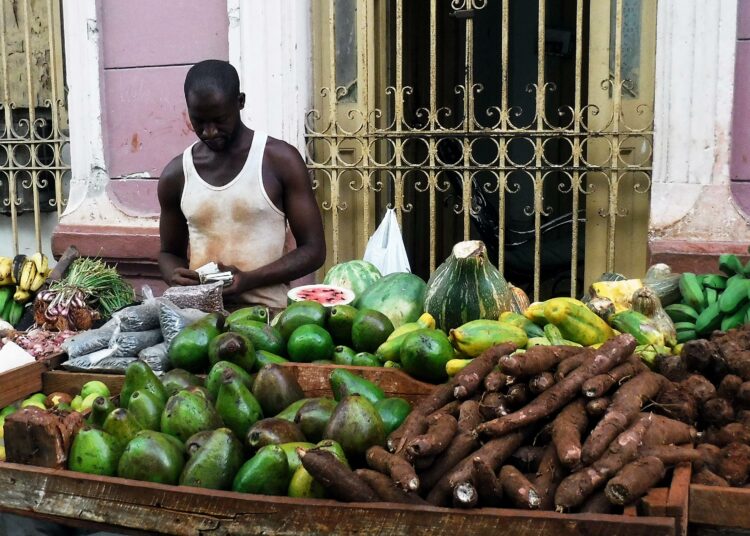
(694, 256)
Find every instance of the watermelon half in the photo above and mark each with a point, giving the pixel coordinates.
(327, 295)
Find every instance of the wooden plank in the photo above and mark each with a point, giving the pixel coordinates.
(186, 511)
(679, 494)
(20, 382)
(719, 506)
(312, 378)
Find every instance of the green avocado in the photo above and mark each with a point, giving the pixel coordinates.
(215, 464)
(276, 387)
(215, 375)
(343, 355)
(266, 473)
(263, 358)
(339, 323)
(272, 431)
(299, 314)
(262, 336)
(236, 405)
(140, 377)
(257, 313)
(146, 408)
(309, 343)
(393, 411)
(232, 347)
(100, 409)
(356, 426)
(313, 417)
(152, 457)
(187, 413)
(178, 379)
(122, 425)
(345, 383)
(95, 452)
(425, 353)
(370, 329)
(189, 348)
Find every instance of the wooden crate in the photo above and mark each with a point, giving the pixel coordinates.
(720, 506)
(25, 380)
(312, 378)
(118, 504)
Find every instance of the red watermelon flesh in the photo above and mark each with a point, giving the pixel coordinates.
(326, 295)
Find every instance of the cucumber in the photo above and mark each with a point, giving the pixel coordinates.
(715, 281)
(680, 312)
(553, 335)
(709, 319)
(692, 291)
(730, 264)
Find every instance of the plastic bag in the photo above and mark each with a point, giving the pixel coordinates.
(89, 363)
(89, 341)
(156, 357)
(207, 297)
(172, 319)
(128, 344)
(385, 249)
(141, 317)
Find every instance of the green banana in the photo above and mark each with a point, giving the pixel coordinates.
(736, 319)
(734, 296)
(711, 295)
(692, 291)
(730, 264)
(6, 295)
(709, 319)
(715, 281)
(680, 312)
(16, 312)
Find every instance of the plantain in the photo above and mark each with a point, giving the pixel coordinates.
(709, 319)
(41, 263)
(16, 312)
(21, 296)
(736, 319)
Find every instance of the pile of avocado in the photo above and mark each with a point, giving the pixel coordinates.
(306, 332)
(233, 431)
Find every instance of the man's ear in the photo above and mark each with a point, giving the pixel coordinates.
(241, 100)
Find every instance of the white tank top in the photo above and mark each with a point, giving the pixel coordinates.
(236, 223)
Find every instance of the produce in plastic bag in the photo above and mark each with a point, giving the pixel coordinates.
(156, 357)
(666, 284)
(112, 365)
(89, 341)
(131, 343)
(207, 297)
(141, 317)
(172, 319)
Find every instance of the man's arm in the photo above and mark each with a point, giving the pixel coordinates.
(173, 230)
(304, 219)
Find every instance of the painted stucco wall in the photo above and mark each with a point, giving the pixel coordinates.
(740, 161)
(146, 49)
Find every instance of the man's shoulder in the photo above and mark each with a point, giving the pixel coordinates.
(280, 150)
(285, 159)
(173, 171)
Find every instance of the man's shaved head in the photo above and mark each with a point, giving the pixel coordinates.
(214, 76)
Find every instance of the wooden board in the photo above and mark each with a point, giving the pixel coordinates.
(312, 378)
(144, 506)
(719, 506)
(20, 382)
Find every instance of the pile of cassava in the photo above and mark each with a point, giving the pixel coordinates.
(709, 385)
(556, 427)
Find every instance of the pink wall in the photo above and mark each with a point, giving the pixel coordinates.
(147, 47)
(740, 155)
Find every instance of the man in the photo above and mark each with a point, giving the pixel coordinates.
(229, 196)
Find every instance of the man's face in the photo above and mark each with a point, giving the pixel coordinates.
(215, 117)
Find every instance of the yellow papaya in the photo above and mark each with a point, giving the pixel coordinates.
(576, 322)
(476, 336)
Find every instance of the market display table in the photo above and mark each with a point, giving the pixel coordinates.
(720, 507)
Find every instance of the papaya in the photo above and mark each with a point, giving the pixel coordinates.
(577, 322)
(476, 336)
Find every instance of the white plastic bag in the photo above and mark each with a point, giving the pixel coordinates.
(385, 249)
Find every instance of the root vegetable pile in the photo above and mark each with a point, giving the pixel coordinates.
(711, 389)
(556, 428)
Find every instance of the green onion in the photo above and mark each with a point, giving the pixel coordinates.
(101, 285)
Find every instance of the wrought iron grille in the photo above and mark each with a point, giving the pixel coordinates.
(34, 163)
(522, 123)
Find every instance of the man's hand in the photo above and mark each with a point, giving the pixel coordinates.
(183, 277)
(239, 282)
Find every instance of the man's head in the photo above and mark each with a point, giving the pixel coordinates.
(214, 101)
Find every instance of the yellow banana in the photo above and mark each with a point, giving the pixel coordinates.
(42, 271)
(21, 295)
(6, 268)
(28, 273)
(454, 366)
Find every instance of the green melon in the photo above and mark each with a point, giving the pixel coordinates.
(466, 287)
(398, 296)
(356, 275)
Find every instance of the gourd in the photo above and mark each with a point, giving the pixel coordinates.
(646, 302)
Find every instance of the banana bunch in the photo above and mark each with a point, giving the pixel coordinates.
(6, 271)
(10, 310)
(29, 274)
